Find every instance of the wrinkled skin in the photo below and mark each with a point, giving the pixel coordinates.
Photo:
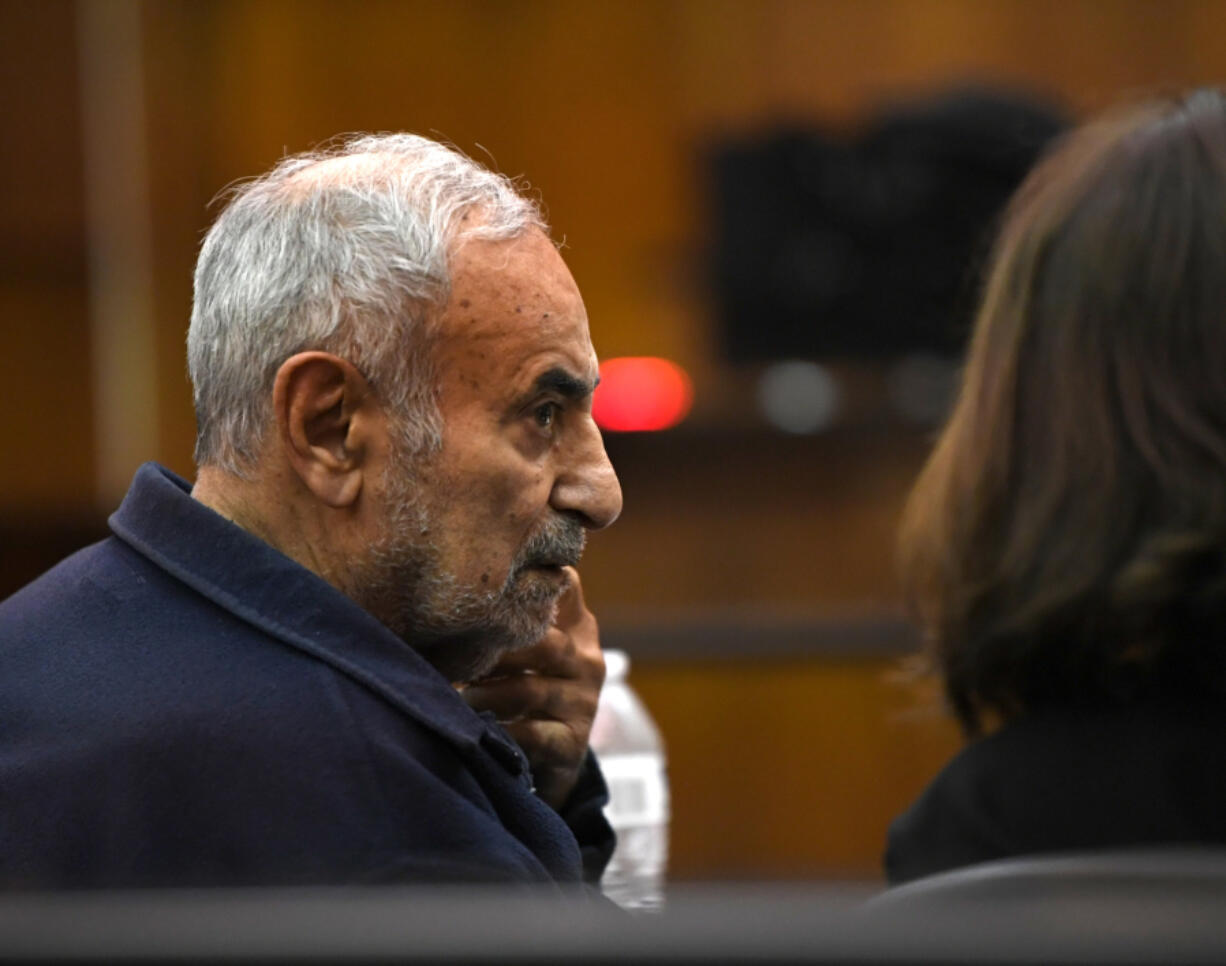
(473, 558)
(545, 695)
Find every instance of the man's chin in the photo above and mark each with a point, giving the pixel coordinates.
(461, 657)
(466, 654)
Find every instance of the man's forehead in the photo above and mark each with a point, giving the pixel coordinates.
(521, 313)
(523, 262)
(515, 308)
(545, 359)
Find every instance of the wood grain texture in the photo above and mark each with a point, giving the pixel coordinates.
(789, 769)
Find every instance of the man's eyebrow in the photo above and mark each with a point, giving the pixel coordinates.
(564, 383)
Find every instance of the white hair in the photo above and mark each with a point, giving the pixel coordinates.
(346, 250)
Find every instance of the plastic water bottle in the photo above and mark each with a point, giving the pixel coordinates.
(631, 753)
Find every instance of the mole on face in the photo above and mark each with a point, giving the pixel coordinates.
(519, 308)
(465, 303)
(485, 578)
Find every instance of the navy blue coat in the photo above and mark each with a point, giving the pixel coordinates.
(181, 704)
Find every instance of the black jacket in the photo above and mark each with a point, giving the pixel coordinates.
(1070, 780)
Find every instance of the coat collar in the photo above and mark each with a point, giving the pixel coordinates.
(247, 577)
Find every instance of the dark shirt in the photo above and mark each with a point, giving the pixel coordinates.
(181, 704)
(1072, 780)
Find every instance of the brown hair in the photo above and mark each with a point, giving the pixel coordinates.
(1066, 541)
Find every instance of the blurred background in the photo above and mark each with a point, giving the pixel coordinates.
(788, 199)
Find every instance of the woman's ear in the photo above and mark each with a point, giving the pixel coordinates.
(320, 403)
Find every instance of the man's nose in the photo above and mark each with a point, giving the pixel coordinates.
(589, 486)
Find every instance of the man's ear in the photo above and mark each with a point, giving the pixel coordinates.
(322, 406)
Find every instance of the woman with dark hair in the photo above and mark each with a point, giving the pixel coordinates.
(1065, 547)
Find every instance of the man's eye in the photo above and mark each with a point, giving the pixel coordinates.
(546, 414)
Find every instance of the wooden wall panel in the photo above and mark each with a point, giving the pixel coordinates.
(603, 106)
(44, 367)
(754, 521)
(789, 769)
(48, 461)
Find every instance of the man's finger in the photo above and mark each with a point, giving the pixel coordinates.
(531, 696)
(552, 742)
(571, 607)
(555, 654)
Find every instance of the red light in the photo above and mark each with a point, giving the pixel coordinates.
(641, 393)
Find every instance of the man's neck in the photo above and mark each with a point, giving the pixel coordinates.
(232, 497)
(279, 523)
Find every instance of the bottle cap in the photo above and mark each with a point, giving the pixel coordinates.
(616, 664)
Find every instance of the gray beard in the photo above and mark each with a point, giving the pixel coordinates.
(462, 631)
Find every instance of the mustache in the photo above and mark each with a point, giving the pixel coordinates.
(559, 543)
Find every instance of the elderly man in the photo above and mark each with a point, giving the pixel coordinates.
(295, 671)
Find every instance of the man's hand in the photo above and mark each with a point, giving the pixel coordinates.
(545, 695)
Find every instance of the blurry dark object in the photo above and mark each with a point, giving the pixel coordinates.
(1167, 916)
(865, 246)
(1172, 876)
